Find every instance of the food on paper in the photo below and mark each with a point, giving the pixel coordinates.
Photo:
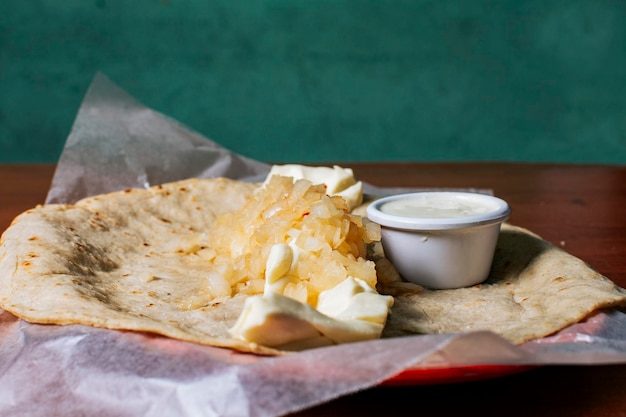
(268, 268)
(181, 259)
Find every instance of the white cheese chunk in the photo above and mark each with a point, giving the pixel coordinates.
(281, 322)
(349, 312)
(339, 181)
(353, 299)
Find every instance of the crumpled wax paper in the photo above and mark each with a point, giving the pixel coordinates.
(117, 143)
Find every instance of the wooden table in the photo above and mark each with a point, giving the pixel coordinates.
(581, 208)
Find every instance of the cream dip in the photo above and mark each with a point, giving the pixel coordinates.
(434, 205)
(440, 239)
(438, 210)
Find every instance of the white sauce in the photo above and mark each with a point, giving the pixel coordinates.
(438, 206)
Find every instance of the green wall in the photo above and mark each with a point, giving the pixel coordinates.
(320, 80)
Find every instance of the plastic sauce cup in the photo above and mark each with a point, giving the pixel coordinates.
(440, 239)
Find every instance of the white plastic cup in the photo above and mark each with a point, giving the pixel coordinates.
(440, 239)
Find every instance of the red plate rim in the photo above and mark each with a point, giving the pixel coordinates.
(453, 374)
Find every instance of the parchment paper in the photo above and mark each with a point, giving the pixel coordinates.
(117, 143)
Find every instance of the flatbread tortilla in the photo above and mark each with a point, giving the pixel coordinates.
(126, 260)
(117, 261)
(178, 259)
(534, 289)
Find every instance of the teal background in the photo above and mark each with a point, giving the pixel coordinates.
(314, 81)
